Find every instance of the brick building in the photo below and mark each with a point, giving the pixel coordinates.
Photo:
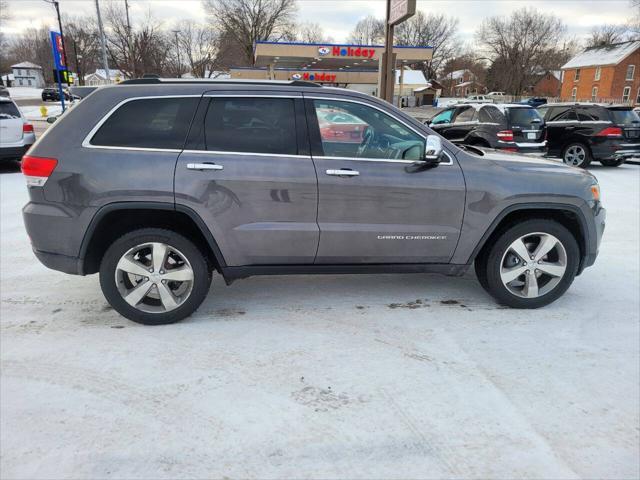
(547, 84)
(461, 83)
(604, 74)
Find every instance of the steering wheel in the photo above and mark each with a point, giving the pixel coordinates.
(367, 139)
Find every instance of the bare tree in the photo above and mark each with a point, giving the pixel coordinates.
(34, 46)
(607, 34)
(5, 15)
(368, 31)
(519, 45)
(435, 30)
(82, 44)
(137, 50)
(312, 33)
(198, 47)
(249, 21)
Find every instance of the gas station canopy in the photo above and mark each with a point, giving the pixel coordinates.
(327, 56)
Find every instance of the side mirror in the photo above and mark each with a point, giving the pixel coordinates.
(51, 119)
(433, 150)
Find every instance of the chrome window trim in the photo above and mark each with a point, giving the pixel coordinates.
(253, 154)
(86, 143)
(417, 132)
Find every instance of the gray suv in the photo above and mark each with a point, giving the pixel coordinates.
(156, 184)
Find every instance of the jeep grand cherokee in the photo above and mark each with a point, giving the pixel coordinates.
(157, 184)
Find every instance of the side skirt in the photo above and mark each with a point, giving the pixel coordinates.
(231, 274)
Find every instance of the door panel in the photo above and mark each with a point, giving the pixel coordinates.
(389, 213)
(377, 205)
(260, 207)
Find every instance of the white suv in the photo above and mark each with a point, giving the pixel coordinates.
(16, 134)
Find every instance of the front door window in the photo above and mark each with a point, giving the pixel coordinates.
(354, 130)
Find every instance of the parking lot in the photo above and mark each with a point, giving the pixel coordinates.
(373, 376)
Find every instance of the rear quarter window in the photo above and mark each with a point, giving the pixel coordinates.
(625, 117)
(8, 111)
(148, 123)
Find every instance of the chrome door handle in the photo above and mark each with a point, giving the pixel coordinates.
(343, 173)
(204, 166)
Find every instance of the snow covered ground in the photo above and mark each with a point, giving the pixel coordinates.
(25, 92)
(374, 376)
(32, 112)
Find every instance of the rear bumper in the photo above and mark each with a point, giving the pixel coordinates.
(630, 150)
(61, 263)
(13, 153)
(524, 147)
(611, 149)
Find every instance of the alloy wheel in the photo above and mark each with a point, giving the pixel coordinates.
(154, 277)
(533, 265)
(575, 155)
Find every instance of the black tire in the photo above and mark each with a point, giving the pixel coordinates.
(612, 163)
(568, 149)
(196, 258)
(488, 263)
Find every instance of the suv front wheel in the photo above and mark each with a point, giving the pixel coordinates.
(154, 276)
(530, 264)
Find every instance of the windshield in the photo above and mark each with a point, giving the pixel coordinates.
(524, 116)
(8, 111)
(443, 117)
(625, 117)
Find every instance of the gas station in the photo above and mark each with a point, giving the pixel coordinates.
(349, 66)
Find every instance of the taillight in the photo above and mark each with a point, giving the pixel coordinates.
(27, 128)
(37, 170)
(505, 135)
(610, 132)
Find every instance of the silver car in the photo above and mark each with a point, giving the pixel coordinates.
(16, 134)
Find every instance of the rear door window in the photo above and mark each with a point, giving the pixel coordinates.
(592, 114)
(251, 125)
(8, 111)
(148, 123)
(562, 114)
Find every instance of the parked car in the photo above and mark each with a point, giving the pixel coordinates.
(4, 91)
(478, 99)
(499, 97)
(53, 94)
(16, 134)
(512, 127)
(157, 185)
(339, 126)
(581, 132)
(534, 102)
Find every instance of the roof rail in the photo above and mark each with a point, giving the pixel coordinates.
(158, 81)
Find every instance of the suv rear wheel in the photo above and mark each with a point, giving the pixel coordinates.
(576, 155)
(530, 264)
(154, 276)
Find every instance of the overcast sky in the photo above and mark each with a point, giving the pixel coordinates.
(337, 18)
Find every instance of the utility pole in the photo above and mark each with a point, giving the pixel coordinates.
(397, 12)
(176, 32)
(131, 57)
(64, 51)
(103, 43)
(75, 54)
